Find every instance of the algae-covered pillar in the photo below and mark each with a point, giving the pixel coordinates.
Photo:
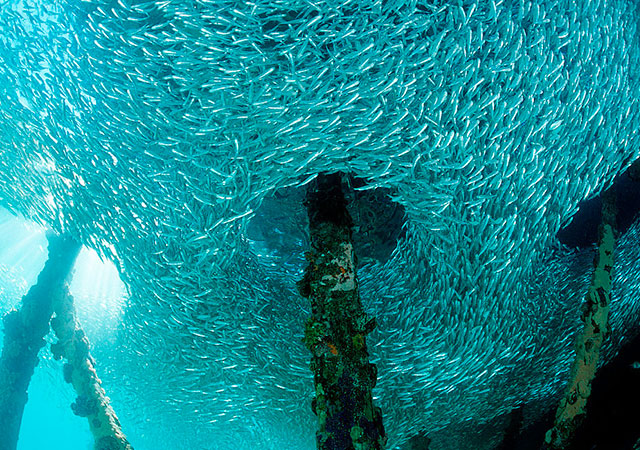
(337, 329)
(24, 332)
(79, 370)
(572, 409)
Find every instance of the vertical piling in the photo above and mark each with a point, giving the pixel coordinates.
(572, 409)
(337, 329)
(24, 333)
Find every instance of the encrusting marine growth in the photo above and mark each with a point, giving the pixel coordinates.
(572, 408)
(336, 331)
(25, 330)
(24, 333)
(79, 370)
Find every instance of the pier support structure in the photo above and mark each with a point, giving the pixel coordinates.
(337, 329)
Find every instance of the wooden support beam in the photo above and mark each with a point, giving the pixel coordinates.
(24, 333)
(337, 329)
(572, 409)
(79, 370)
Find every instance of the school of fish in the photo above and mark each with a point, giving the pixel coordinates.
(159, 132)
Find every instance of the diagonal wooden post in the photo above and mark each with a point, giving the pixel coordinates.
(92, 401)
(24, 333)
(572, 409)
(337, 329)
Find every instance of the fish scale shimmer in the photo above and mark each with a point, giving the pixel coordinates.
(154, 131)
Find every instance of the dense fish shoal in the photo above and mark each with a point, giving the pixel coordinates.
(155, 132)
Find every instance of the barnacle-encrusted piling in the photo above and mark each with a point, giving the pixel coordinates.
(79, 370)
(337, 329)
(24, 332)
(595, 314)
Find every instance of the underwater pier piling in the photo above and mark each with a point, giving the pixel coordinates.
(92, 401)
(572, 408)
(337, 329)
(24, 333)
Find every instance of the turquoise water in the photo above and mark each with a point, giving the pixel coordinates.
(48, 421)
